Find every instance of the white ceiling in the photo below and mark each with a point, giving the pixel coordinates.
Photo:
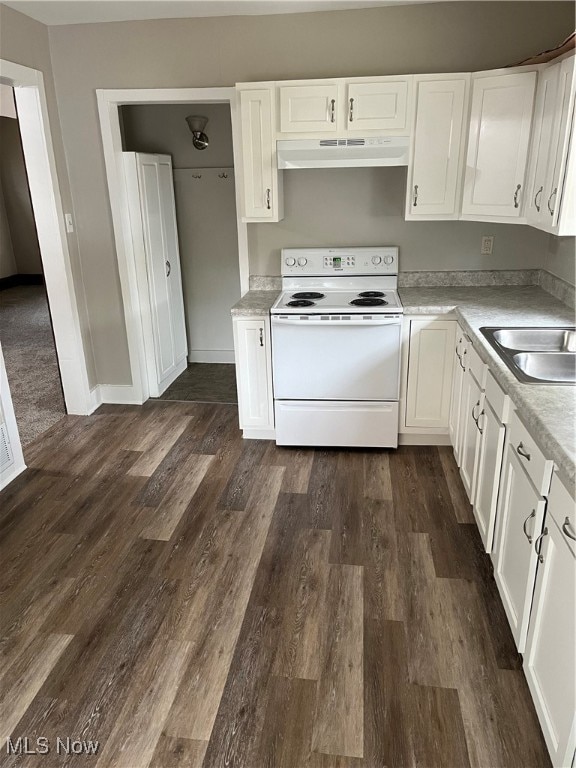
(89, 11)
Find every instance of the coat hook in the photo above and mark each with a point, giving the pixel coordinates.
(196, 175)
(222, 175)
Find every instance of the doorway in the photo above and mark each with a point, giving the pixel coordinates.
(205, 208)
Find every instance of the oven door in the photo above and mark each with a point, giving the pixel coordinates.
(329, 358)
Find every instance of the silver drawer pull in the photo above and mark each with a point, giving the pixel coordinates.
(525, 523)
(536, 199)
(566, 529)
(552, 194)
(351, 115)
(268, 199)
(168, 269)
(522, 451)
(480, 429)
(415, 200)
(538, 549)
(473, 409)
(261, 337)
(462, 360)
(332, 110)
(516, 203)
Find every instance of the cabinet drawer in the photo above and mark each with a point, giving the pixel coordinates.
(499, 401)
(536, 465)
(478, 368)
(562, 509)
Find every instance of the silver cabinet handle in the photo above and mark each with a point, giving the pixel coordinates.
(522, 451)
(538, 549)
(261, 337)
(473, 409)
(536, 199)
(168, 269)
(480, 429)
(550, 209)
(566, 529)
(525, 523)
(332, 110)
(268, 199)
(516, 193)
(415, 201)
(351, 112)
(462, 361)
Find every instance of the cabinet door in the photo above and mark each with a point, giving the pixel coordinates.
(561, 135)
(488, 474)
(472, 404)
(259, 175)
(308, 108)
(549, 661)
(435, 169)
(254, 373)
(378, 106)
(500, 122)
(458, 369)
(429, 373)
(520, 515)
(540, 150)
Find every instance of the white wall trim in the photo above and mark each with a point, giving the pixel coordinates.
(7, 415)
(420, 438)
(211, 356)
(109, 101)
(116, 394)
(30, 97)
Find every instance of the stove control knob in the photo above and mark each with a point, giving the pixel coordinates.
(388, 259)
(290, 262)
(302, 261)
(376, 259)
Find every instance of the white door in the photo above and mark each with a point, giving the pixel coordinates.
(378, 106)
(540, 150)
(155, 240)
(500, 122)
(254, 373)
(309, 108)
(472, 404)
(520, 515)
(561, 136)
(549, 660)
(458, 368)
(434, 173)
(488, 473)
(429, 373)
(260, 177)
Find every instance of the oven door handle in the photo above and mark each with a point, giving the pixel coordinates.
(394, 320)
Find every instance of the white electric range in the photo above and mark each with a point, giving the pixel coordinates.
(336, 336)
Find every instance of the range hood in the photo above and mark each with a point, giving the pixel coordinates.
(343, 153)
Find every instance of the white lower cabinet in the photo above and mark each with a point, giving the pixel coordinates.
(550, 659)
(472, 403)
(254, 374)
(458, 371)
(429, 383)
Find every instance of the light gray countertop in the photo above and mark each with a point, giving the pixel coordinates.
(549, 412)
(254, 303)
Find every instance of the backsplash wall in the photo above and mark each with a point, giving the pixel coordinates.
(365, 206)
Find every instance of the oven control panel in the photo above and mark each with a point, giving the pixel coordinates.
(336, 261)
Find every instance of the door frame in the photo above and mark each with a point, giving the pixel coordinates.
(109, 101)
(38, 150)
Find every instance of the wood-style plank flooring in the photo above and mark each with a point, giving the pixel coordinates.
(188, 598)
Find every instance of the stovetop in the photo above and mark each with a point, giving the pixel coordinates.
(346, 301)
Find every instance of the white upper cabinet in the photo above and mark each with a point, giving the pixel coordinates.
(434, 175)
(261, 188)
(309, 108)
(381, 105)
(498, 142)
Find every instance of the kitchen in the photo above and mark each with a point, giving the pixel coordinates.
(456, 467)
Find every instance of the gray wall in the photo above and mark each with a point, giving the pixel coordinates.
(25, 41)
(206, 215)
(560, 258)
(432, 37)
(17, 200)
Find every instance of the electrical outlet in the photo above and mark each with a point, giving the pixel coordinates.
(69, 222)
(487, 246)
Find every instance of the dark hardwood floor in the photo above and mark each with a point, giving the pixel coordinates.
(187, 598)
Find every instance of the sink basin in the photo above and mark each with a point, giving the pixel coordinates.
(536, 355)
(537, 339)
(559, 367)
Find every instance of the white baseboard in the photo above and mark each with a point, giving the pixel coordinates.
(259, 434)
(117, 394)
(211, 356)
(423, 439)
(9, 474)
(95, 400)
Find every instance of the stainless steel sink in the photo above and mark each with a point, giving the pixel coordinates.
(536, 355)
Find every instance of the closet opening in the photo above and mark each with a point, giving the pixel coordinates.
(178, 163)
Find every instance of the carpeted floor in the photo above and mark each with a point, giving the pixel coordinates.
(31, 363)
(204, 383)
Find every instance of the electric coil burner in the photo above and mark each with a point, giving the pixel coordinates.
(368, 302)
(336, 336)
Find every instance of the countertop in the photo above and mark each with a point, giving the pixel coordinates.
(549, 412)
